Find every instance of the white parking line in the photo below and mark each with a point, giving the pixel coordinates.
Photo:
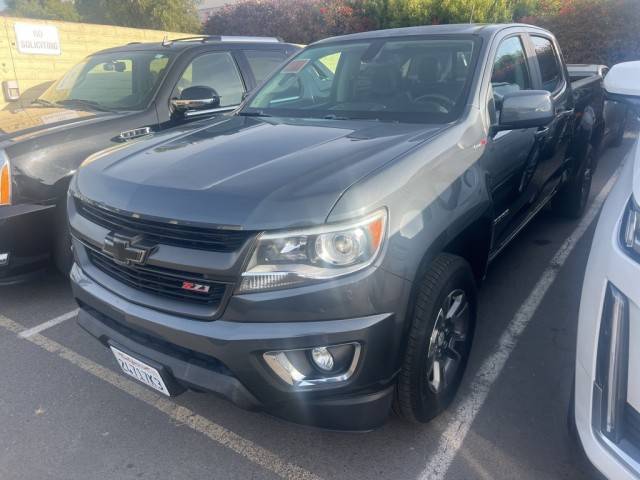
(48, 324)
(240, 445)
(459, 422)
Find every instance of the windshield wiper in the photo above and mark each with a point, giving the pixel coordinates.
(333, 116)
(85, 103)
(43, 102)
(258, 113)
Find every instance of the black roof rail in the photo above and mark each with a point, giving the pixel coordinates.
(221, 38)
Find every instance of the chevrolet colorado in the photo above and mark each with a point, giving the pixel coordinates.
(316, 254)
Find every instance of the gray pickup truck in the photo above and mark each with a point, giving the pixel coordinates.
(316, 254)
(611, 116)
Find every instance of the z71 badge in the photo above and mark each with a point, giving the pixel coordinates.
(195, 287)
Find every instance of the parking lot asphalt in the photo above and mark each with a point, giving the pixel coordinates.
(67, 413)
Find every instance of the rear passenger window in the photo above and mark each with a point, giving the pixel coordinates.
(510, 72)
(548, 62)
(263, 62)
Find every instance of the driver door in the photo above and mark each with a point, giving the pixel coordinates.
(511, 153)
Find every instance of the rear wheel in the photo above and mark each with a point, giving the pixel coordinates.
(439, 340)
(616, 141)
(572, 198)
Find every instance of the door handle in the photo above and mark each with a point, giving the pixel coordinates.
(564, 113)
(542, 132)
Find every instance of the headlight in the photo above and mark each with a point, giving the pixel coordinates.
(287, 259)
(630, 234)
(5, 179)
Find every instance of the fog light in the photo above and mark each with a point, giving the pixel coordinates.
(4, 259)
(314, 366)
(322, 358)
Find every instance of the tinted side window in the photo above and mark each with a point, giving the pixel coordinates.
(216, 70)
(548, 62)
(263, 62)
(510, 72)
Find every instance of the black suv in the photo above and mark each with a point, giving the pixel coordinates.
(110, 98)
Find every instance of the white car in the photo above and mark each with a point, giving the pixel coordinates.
(607, 381)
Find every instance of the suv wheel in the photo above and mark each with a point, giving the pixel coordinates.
(439, 340)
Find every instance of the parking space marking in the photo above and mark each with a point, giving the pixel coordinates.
(219, 434)
(460, 421)
(48, 324)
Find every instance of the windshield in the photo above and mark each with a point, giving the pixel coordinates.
(417, 79)
(109, 81)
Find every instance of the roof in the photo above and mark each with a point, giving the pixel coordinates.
(483, 29)
(178, 45)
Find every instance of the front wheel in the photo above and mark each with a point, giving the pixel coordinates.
(439, 340)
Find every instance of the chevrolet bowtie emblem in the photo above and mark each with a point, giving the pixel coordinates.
(126, 250)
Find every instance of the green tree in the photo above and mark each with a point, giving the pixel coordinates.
(174, 15)
(45, 9)
(401, 13)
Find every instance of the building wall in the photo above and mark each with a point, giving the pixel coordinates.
(208, 7)
(35, 73)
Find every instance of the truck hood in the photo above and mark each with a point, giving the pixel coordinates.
(252, 173)
(45, 145)
(35, 121)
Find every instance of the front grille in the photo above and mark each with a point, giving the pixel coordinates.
(159, 281)
(186, 236)
(158, 344)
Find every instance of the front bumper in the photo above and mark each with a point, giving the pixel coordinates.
(25, 235)
(225, 357)
(609, 267)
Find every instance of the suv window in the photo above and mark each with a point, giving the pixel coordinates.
(263, 62)
(215, 70)
(548, 62)
(116, 80)
(510, 72)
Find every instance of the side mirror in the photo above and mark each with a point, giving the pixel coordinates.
(526, 109)
(622, 83)
(196, 98)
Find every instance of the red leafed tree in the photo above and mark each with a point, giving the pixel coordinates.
(595, 31)
(298, 21)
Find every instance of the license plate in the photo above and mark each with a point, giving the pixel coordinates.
(140, 371)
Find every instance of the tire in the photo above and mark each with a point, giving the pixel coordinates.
(617, 140)
(62, 253)
(574, 195)
(437, 339)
